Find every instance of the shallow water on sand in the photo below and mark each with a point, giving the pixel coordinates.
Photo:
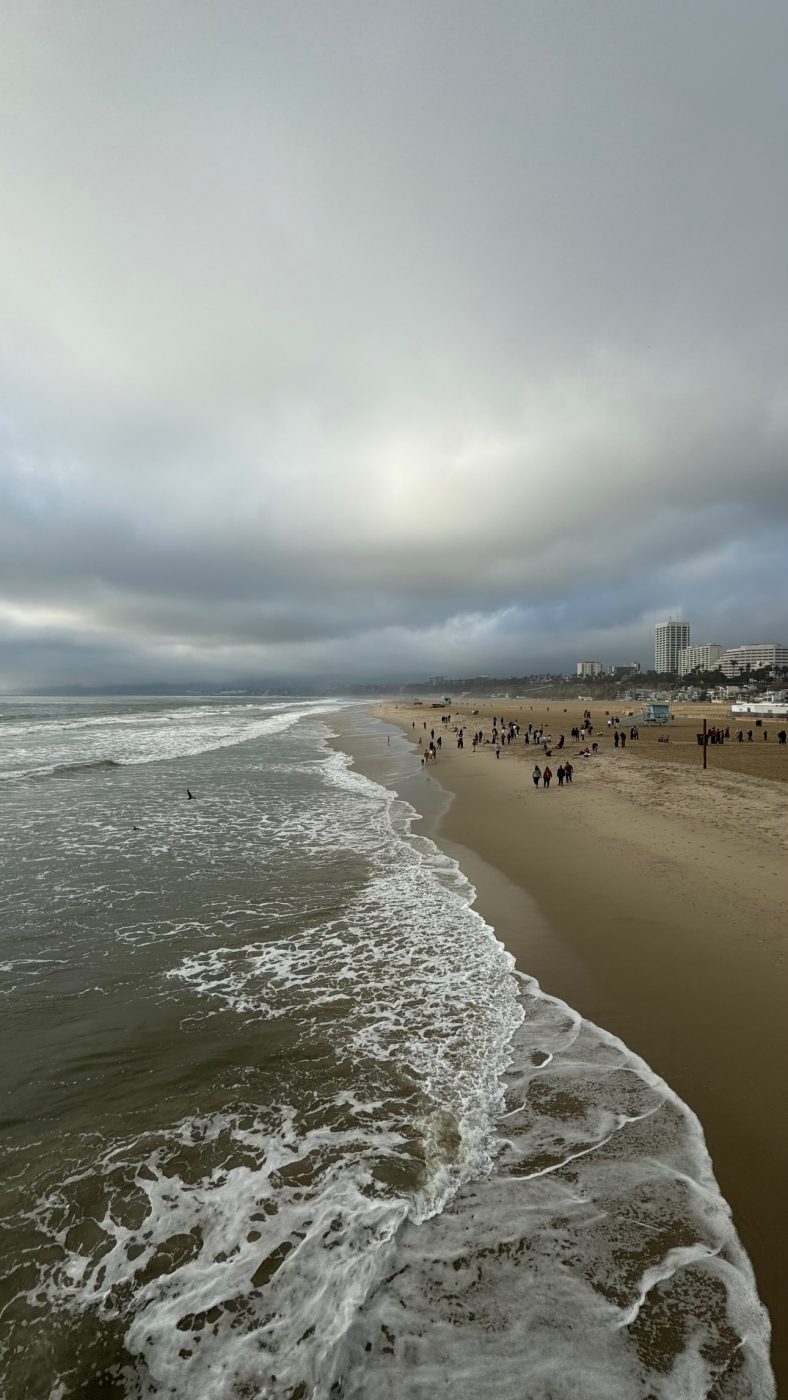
(279, 1118)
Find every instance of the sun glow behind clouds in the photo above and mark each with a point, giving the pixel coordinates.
(32, 617)
(336, 356)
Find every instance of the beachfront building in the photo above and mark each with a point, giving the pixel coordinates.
(630, 668)
(589, 668)
(736, 661)
(671, 638)
(761, 709)
(705, 658)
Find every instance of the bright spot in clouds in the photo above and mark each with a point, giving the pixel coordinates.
(388, 339)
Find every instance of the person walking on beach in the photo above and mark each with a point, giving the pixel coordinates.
(537, 773)
(568, 771)
(547, 775)
(559, 773)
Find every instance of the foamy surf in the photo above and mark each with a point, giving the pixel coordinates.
(597, 1258)
(436, 1179)
(113, 741)
(229, 1253)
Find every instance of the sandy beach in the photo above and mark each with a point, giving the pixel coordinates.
(657, 897)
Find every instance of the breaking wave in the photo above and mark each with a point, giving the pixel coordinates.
(61, 769)
(411, 1173)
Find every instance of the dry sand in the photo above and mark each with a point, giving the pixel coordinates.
(663, 896)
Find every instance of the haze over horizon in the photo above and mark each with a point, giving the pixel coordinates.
(388, 338)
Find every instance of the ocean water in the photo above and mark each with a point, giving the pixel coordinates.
(279, 1117)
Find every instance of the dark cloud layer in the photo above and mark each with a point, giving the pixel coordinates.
(379, 339)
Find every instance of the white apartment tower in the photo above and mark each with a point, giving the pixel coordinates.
(589, 668)
(736, 661)
(671, 638)
(706, 657)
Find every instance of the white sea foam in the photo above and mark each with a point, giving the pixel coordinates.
(236, 1250)
(240, 1279)
(598, 1258)
(419, 978)
(377, 1235)
(68, 745)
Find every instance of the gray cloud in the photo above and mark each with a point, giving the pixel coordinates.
(388, 338)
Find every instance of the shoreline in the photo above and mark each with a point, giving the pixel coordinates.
(655, 908)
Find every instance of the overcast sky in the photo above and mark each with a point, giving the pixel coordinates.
(388, 338)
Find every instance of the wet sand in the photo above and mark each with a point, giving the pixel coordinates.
(653, 897)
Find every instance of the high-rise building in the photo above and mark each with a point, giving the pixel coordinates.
(589, 668)
(736, 661)
(630, 668)
(671, 638)
(705, 658)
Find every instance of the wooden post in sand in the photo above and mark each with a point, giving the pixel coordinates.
(704, 741)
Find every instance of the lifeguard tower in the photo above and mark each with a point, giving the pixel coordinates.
(656, 712)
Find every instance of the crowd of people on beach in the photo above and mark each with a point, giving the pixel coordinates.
(717, 735)
(430, 754)
(503, 733)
